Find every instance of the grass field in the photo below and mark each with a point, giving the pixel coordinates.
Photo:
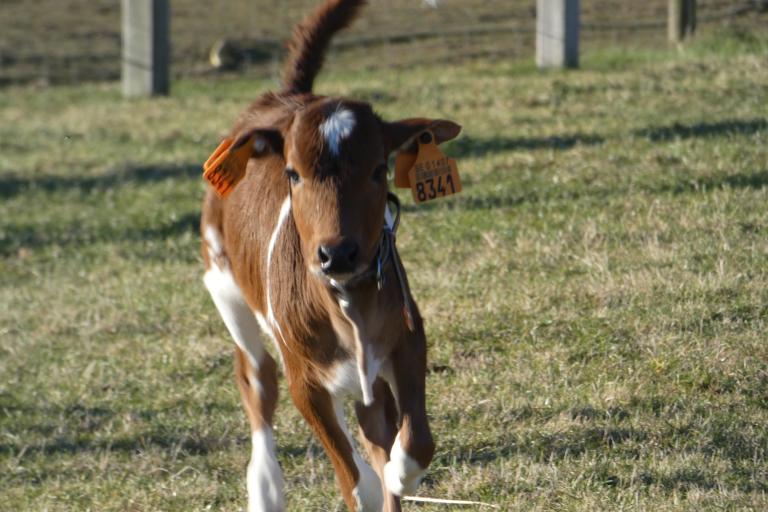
(596, 299)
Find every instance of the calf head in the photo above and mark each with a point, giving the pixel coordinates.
(335, 153)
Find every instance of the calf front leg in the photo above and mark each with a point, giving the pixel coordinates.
(378, 428)
(413, 447)
(360, 486)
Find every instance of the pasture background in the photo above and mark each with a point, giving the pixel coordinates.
(596, 298)
(72, 41)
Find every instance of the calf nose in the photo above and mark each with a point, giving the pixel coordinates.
(337, 258)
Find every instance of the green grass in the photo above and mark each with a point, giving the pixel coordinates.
(596, 299)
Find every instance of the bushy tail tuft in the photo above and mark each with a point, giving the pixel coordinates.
(310, 41)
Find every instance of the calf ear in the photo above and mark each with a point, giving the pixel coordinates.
(265, 141)
(400, 135)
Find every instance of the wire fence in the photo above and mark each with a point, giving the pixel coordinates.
(71, 41)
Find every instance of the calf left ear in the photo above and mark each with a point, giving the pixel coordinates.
(265, 141)
(400, 135)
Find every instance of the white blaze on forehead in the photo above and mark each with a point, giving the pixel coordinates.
(337, 127)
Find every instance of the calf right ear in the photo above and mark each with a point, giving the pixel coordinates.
(400, 135)
(265, 141)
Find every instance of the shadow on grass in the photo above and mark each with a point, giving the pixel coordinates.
(724, 436)
(14, 237)
(631, 443)
(755, 180)
(510, 199)
(548, 447)
(75, 429)
(683, 478)
(191, 445)
(12, 185)
(704, 129)
(481, 146)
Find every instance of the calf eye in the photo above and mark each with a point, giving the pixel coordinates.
(380, 173)
(292, 175)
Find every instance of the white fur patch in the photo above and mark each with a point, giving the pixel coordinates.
(337, 127)
(264, 325)
(367, 493)
(284, 210)
(344, 380)
(265, 480)
(234, 311)
(402, 473)
(213, 239)
(367, 365)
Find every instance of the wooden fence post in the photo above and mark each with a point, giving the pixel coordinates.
(146, 47)
(557, 33)
(681, 22)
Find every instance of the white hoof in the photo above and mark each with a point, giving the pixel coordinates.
(265, 480)
(402, 473)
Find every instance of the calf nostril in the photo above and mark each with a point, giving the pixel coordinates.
(323, 256)
(338, 258)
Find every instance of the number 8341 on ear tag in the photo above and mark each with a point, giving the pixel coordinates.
(433, 174)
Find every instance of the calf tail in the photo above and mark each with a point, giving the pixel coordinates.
(310, 41)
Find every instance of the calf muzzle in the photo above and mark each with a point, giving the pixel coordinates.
(338, 258)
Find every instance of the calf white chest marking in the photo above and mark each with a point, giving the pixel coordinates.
(284, 210)
(367, 365)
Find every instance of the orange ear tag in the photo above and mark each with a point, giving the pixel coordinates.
(403, 163)
(225, 168)
(433, 174)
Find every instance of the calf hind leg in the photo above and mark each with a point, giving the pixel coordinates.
(258, 391)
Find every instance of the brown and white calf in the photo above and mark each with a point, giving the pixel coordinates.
(292, 255)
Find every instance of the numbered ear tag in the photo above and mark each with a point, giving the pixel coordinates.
(226, 167)
(433, 174)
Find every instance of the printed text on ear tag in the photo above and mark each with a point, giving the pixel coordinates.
(226, 167)
(433, 174)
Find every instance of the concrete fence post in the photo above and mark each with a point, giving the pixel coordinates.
(557, 33)
(146, 47)
(681, 22)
